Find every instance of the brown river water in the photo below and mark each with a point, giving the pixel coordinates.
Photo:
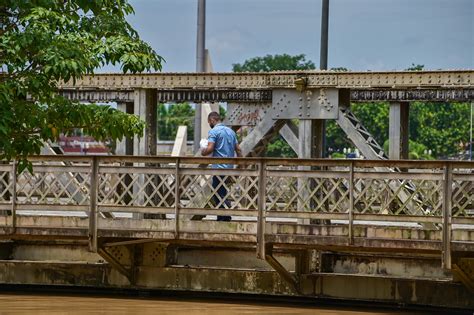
(52, 304)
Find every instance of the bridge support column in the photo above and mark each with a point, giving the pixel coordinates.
(398, 130)
(317, 145)
(305, 137)
(310, 145)
(145, 103)
(125, 146)
(304, 152)
(145, 107)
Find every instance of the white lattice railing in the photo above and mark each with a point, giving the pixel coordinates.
(263, 190)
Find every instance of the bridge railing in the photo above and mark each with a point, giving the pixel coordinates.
(174, 194)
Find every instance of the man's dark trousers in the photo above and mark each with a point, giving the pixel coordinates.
(222, 192)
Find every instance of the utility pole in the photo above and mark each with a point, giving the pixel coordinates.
(323, 62)
(201, 36)
(323, 65)
(200, 65)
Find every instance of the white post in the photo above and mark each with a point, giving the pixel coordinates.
(180, 143)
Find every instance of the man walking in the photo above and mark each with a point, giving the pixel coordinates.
(222, 142)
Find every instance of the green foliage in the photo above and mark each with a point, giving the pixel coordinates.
(222, 112)
(279, 148)
(43, 43)
(274, 63)
(416, 67)
(171, 117)
(374, 116)
(337, 155)
(416, 151)
(440, 127)
(336, 139)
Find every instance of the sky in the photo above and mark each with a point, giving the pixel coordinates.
(363, 34)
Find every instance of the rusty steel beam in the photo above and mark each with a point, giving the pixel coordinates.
(434, 95)
(263, 96)
(280, 79)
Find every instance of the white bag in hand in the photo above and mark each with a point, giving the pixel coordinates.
(203, 143)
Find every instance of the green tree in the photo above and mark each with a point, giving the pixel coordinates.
(440, 127)
(374, 116)
(172, 116)
(416, 67)
(274, 63)
(45, 42)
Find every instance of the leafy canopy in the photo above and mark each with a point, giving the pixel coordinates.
(170, 117)
(274, 63)
(44, 42)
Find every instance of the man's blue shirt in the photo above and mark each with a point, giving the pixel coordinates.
(225, 141)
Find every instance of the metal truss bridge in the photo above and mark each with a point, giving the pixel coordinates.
(269, 102)
(383, 229)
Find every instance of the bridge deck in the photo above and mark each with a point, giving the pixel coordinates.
(402, 206)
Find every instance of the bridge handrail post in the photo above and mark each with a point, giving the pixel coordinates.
(93, 217)
(447, 195)
(14, 197)
(351, 202)
(177, 199)
(262, 184)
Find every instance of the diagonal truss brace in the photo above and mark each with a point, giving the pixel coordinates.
(289, 132)
(359, 135)
(369, 147)
(125, 271)
(288, 277)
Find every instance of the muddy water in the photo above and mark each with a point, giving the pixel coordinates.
(60, 304)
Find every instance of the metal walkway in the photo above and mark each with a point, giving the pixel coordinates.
(336, 203)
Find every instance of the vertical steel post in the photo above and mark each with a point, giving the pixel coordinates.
(177, 199)
(351, 203)
(323, 62)
(446, 236)
(13, 197)
(398, 130)
(200, 65)
(262, 184)
(201, 36)
(93, 217)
